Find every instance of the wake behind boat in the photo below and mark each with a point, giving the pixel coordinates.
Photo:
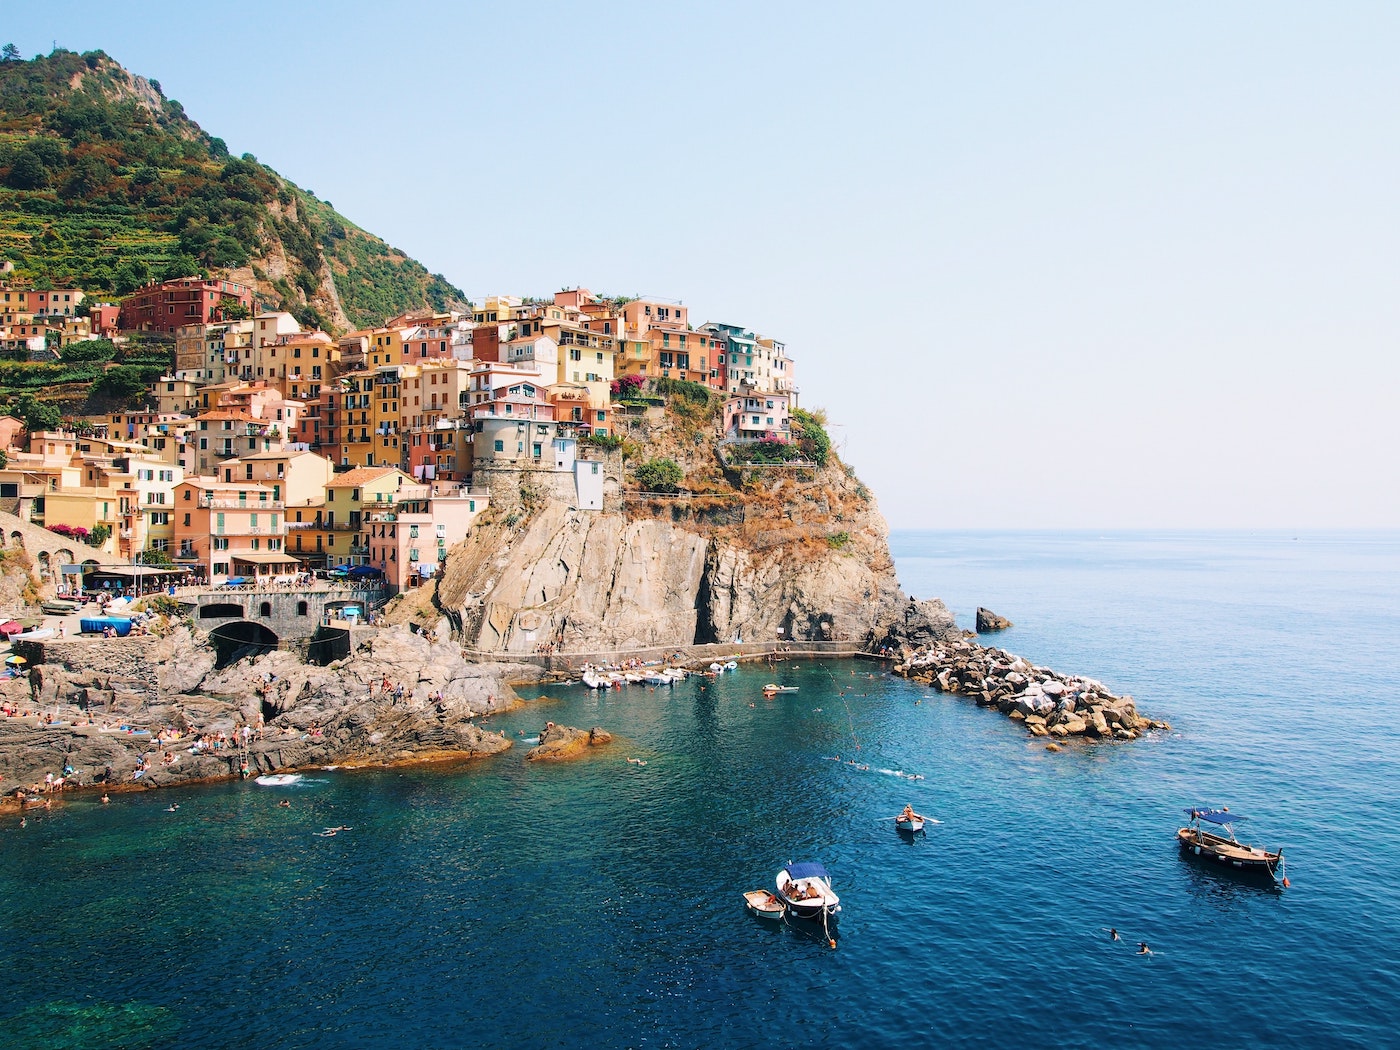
(1223, 849)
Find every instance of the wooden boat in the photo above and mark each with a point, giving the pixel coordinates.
(59, 607)
(763, 904)
(1222, 850)
(913, 824)
(806, 891)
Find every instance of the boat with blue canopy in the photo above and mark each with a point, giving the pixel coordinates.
(1210, 837)
(805, 889)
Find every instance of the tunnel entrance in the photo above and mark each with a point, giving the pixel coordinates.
(242, 638)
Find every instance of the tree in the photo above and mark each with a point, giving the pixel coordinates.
(9, 53)
(182, 266)
(36, 414)
(659, 475)
(28, 173)
(131, 275)
(155, 556)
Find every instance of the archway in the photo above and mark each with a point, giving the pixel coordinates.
(239, 639)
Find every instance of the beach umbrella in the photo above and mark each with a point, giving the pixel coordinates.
(16, 660)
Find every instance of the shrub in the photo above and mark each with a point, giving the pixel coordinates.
(837, 540)
(659, 475)
(811, 436)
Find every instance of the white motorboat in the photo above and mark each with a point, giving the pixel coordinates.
(658, 678)
(806, 891)
(732, 665)
(39, 634)
(593, 681)
(770, 689)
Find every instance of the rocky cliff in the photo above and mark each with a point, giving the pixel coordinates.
(749, 554)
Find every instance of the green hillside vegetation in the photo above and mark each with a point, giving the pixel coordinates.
(106, 184)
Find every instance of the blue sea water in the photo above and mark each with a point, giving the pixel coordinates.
(598, 903)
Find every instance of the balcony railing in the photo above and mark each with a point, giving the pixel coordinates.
(238, 504)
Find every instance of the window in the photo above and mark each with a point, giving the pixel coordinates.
(500, 446)
(302, 608)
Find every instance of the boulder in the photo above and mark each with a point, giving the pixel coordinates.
(558, 743)
(1073, 725)
(989, 621)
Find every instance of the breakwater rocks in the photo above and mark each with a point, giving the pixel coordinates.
(1049, 703)
(990, 621)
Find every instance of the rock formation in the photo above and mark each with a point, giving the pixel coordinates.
(398, 698)
(988, 621)
(561, 742)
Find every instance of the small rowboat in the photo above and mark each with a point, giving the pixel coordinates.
(763, 904)
(770, 689)
(913, 824)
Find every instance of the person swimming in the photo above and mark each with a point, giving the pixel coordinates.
(1143, 949)
(172, 807)
(285, 804)
(1112, 934)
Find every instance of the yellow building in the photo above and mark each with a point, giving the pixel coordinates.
(350, 497)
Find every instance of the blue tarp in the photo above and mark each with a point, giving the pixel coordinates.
(234, 581)
(1216, 816)
(365, 570)
(807, 870)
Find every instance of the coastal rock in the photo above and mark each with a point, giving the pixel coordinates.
(558, 743)
(988, 621)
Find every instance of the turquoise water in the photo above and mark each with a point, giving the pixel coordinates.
(598, 903)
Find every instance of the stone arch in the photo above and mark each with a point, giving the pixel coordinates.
(239, 639)
(44, 568)
(64, 556)
(265, 609)
(218, 610)
(303, 608)
(17, 538)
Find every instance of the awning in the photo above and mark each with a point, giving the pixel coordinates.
(266, 559)
(808, 870)
(1216, 816)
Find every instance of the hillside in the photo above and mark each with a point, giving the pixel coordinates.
(105, 184)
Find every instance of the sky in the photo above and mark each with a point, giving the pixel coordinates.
(1071, 265)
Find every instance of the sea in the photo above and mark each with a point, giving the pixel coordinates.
(598, 903)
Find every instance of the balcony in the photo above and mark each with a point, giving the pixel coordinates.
(238, 504)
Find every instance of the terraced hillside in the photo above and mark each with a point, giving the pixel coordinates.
(105, 183)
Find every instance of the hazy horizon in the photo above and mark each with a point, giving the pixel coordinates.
(1083, 267)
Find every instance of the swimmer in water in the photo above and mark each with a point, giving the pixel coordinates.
(1112, 934)
(105, 799)
(171, 808)
(1143, 949)
(285, 804)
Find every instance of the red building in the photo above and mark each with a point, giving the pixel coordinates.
(169, 305)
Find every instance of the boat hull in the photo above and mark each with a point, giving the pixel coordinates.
(1219, 854)
(764, 905)
(910, 826)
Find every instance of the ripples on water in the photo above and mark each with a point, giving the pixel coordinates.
(598, 903)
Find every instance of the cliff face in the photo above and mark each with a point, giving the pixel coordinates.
(790, 556)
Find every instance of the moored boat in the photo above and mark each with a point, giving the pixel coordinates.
(806, 891)
(1222, 850)
(36, 635)
(763, 904)
(772, 689)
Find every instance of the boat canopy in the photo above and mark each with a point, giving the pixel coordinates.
(807, 870)
(1216, 816)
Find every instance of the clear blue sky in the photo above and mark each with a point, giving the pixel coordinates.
(1044, 265)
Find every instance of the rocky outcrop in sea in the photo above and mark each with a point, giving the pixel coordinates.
(1049, 703)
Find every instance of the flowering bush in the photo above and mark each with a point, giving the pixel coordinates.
(627, 385)
(73, 532)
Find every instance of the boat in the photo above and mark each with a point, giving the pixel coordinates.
(913, 823)
(593, 681)
(98, 624)
(59, 607)
(34, 636)
(1222, 849)
(770, 689)
(732, 665)
(717, 668)
(764, 904)
(658, 678)
(806, 891)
